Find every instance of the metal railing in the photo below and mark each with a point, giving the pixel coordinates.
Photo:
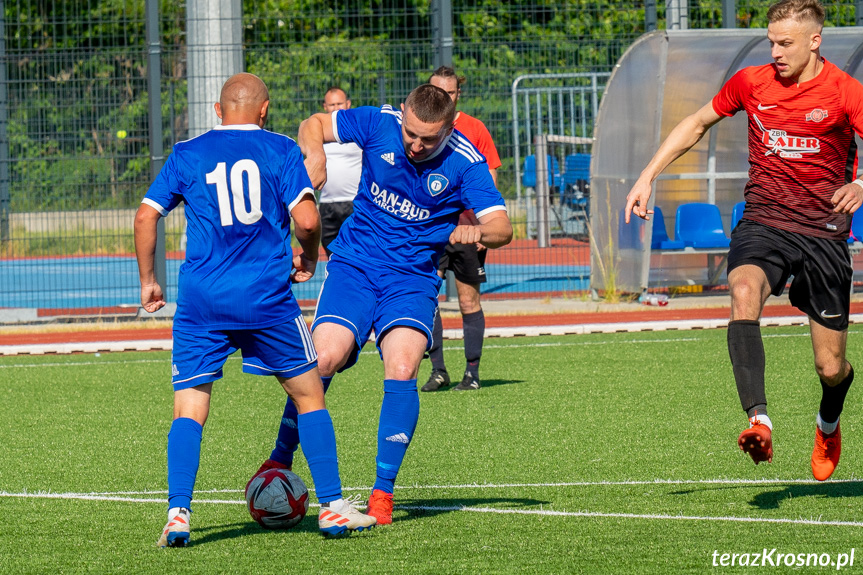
(566, 109)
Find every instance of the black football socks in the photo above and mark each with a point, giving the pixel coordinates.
(747, 360)
(833, 398)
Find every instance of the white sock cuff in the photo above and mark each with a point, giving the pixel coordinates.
(173, 512)
(762, 419)
(336, 504)
(825, 427)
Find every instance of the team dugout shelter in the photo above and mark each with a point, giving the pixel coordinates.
(662, 78)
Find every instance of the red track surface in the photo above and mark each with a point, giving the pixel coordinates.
(638, 314)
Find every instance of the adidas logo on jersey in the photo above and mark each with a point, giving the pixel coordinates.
(389, 158)
(399, 438)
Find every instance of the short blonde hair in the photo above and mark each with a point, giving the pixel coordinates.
(799, 10)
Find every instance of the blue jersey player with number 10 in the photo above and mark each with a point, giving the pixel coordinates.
(241, 187)
(418, 175)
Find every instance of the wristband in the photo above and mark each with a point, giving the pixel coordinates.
(859, 182)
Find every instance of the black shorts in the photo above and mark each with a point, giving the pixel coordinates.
(333, 215)
(821, 267)
(466, 262)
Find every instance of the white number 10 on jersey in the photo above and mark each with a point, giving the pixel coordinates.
(220, 178)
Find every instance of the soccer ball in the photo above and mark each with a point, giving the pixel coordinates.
(277, 499)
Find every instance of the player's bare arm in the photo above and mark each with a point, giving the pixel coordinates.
(146, 220)
(684, 135)
(494, 231)
(314, 133)
(493, 172)
(307, 230)
(848, 198)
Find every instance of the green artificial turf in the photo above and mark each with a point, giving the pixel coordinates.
(604, 453)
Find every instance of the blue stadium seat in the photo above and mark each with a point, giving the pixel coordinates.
(575, 191)
(528, 172)
(736, 214)
(576, 167)
(700, 226)
(661, 241)
(856, 227)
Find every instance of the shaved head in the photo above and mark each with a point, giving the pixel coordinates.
(243, 100)
(243, 90)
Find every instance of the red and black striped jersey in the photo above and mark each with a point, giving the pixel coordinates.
(801, 145)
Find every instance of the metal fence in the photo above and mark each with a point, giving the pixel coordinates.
(76, 148)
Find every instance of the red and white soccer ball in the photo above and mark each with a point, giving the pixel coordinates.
(277, 499)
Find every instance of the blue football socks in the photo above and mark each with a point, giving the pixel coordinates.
(400, 412)
(319, 446)
(184, 456)
(289, 435)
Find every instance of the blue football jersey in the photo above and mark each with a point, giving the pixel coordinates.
(238, 184)
(404, 212)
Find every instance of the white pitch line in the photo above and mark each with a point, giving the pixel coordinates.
(88, 347)
(118, 495)
(573, 329)
(447, 348)
(528, 512)
(374, 351)
(491, 332)
(739, 482)
(370, 352)
(81, 496)
(648, 516)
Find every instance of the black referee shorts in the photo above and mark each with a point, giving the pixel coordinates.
(466, 262)
(821, 269)
(333, 215)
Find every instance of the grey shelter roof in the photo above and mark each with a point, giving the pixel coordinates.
(663, 77)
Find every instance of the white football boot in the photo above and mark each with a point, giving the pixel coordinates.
(176, 532)
(340, 516)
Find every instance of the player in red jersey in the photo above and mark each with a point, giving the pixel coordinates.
(803, 112)
(467, 261)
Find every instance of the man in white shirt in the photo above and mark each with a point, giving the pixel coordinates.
(344, 164)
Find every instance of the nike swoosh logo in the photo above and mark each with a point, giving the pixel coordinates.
(762, 108)
(826, 315)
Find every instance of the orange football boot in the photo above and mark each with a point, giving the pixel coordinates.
(825, 454)
(381, 506)
(757, 441)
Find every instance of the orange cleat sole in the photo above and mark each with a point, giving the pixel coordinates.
(757, 441)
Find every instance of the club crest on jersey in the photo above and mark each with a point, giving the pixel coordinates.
(816, 115)
(436, 184)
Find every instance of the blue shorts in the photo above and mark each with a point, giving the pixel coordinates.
(376, 299)
(285, 350)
